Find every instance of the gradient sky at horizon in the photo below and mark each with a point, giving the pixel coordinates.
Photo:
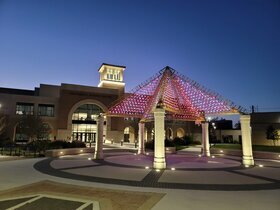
(232, 47)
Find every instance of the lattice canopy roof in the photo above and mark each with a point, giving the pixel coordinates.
(183, 99)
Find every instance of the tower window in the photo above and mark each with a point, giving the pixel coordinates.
(113, 75)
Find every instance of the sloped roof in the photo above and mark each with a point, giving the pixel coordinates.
(182, 98)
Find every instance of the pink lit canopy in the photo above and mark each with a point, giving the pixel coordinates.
(182, 98)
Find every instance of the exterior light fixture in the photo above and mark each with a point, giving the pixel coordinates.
(157, 170)
(173, 169)
(260, 166)
(221, 151)
(246, 166)
(147, 167)
(199, 155)
(81, 150)
(213, 156)
(89, 158)
(61, 152)
(147, 153)
(134, 154)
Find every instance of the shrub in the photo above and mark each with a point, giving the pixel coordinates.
(169, 143)
(196, 142)
(7, 143)
(77, 144)
(178, 141)
(40, 145)
(188, 140)
(58, 144)
(215, 141)
(150, 145)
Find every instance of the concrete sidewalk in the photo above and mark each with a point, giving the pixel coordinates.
(197, 183)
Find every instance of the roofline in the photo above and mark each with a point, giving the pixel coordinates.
(17, 91)
(265, 112)
(108, 64)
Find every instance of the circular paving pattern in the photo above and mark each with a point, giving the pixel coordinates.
(184, 171)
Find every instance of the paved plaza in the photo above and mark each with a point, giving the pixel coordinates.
(188, 182)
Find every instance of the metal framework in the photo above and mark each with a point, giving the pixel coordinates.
(183, 99)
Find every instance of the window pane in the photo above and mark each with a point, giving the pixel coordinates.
(24, 108)
(46, 110)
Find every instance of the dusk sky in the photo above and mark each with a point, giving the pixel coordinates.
(231, 47)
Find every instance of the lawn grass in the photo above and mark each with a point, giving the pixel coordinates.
(260, 148)
(266, 148)
(179, 147)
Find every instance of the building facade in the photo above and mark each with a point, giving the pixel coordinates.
(69, 110)
(260, 121)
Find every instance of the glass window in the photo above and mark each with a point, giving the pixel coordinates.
(113, 75)
(24, 108)
(87, 112)
(83, 122)
(46, 110)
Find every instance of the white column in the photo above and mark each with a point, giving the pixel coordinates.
(246, 140)
(141, 143)
(205, 139)
(159, 155)
(98, 154)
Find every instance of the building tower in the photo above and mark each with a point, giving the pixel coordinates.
(111, 76)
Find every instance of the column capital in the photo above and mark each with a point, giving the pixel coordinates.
(99, 117)
(141, 123)
(244, 117)
(159, 109)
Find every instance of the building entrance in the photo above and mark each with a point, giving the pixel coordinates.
(85, 137)
(84, 126)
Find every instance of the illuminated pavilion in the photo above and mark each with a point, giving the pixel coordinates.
(170, 95)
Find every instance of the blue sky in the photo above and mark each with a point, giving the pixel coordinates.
(231, 47)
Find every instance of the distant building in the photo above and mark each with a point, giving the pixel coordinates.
(260, 122)
(224, 131)
(69, 110)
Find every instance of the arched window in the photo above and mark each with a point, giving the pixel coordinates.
(129, 134)
(169, 133)
(180, 132)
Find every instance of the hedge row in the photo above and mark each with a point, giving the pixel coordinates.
(184, 141)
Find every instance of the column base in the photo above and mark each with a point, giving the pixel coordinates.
(248, 160)
(159, 163)
(206, 153)
(98, 156)
(141, 152)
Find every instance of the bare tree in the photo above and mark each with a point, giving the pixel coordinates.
(3, 123)
(272, 134)
(33, 127)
